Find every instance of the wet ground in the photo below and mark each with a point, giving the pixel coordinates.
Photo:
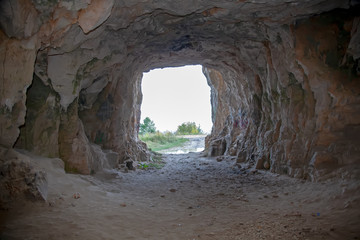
(196, 143)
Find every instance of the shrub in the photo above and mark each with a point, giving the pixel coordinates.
(148, 126)
(158, 141)
(189, 128)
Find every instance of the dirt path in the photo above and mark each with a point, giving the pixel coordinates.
(192, 197)
(196, 143)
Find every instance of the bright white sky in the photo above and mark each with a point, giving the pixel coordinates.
(172, 96)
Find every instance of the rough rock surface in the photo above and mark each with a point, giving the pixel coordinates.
(40, 133)
(284, 77)
(301, 117)
(20, 177)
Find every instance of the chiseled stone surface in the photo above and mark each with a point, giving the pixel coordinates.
(284, 77)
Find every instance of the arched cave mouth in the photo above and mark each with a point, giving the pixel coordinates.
(176, 95)
(172, 97)
(285, 99)
(284, 89)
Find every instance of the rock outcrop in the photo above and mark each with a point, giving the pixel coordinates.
(20, 178)
(284, 78)
(302, 117)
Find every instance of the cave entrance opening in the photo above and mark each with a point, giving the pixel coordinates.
(173, 97)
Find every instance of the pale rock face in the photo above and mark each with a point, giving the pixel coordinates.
(16, 76)
(95, 14)
(19, 18)
(60, 69)
(284, 78)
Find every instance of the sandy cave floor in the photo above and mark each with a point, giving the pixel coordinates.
(192, 197)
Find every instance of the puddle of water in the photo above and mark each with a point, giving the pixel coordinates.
(195, 144)
(182, 151)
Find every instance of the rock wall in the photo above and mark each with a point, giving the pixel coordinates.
(40, 133)
(300, 118)
(284, 78)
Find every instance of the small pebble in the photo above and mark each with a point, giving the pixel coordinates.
(76, 195)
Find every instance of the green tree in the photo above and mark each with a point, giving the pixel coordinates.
(188, 128)
(148, 126)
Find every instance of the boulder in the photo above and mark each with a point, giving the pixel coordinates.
(20, 178)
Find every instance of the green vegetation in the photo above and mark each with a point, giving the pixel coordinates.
(160, 141)
(76, 82)
(157, 141)
(155, 162)
(148, 126)
(70, 169)
(99, 138)
(189, 128)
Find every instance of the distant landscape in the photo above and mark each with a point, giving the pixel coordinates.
(158, 141)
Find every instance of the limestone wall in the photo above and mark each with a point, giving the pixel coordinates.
(292, 104)
(284, 78)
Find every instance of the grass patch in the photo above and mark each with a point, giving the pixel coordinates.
(156, 162)
(160, 141)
